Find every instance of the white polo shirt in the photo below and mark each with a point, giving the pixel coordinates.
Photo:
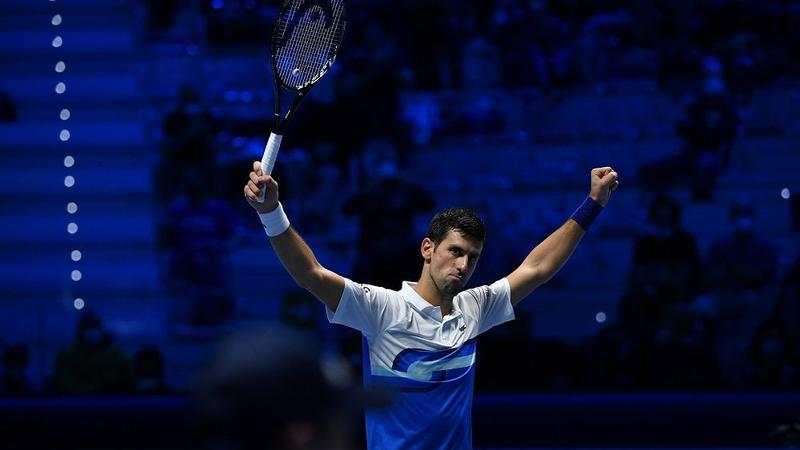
(425, 359)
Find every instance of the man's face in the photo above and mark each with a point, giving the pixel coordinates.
(452, 261)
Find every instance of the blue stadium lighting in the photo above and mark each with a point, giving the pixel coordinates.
(56, 21)
(786, 194)
(64, 135)
(61, 87)
(60, 67)
(76, 255)
(69, 161)
(76, 275)
(57, 41)
(78, 303)
(64, 115)
(600, 317)
(69, 181)
(72, 228)
(72, 207)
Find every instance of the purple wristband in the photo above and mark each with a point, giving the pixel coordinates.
(586, 213)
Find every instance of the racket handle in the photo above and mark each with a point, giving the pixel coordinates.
(268, 160)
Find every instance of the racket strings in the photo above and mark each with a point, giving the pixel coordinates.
(310, 49)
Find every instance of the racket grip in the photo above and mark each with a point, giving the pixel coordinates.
(268, 160)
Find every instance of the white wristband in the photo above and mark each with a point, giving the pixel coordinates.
(275, 222)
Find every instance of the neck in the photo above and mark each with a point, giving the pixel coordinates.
(431, 293)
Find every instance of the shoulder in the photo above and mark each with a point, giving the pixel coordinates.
(371, 293)
(485, 292)
(370, 289)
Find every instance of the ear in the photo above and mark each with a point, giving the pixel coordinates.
(426, 249)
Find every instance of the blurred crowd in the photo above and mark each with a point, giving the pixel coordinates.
(719, 321)
(724, 319)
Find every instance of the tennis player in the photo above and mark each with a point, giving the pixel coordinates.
(419, 342)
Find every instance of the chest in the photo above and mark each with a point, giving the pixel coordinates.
(421, 331)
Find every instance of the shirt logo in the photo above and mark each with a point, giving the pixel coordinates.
(462, 327)
(435, 365)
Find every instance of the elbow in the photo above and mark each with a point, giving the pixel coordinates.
(540, 274)
(309, 280)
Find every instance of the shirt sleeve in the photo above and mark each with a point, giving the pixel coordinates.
(489, 305)
(363, 307)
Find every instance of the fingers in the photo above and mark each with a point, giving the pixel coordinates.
(607, 175)
(257, 168)
(260, 179)
(249, 194)
(257, 179)
(257, 183)
(253, 188)
(610, 180)
(600, 172)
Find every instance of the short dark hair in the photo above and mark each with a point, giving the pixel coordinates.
(463, 220)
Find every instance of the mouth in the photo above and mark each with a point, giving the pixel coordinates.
(456, 277)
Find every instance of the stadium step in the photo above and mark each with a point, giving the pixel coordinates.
(37, 136)
(28, 43)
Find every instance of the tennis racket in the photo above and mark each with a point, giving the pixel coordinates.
(306, 40)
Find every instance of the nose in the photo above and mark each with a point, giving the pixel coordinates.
(462, 263)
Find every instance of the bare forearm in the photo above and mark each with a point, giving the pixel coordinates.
(550, 255)
(544, 261)
(299, 260)
(295, 255)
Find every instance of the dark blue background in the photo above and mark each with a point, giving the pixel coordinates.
(500, 106)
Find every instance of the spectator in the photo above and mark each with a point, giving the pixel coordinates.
(14, 374)
(94, 364)
(682, 356)
(666, 263)
(744, 260)
(188, 133)
(774, 353)
(708, 130)
(772, 360)
(385, 208)
(148, 372)
(196, 238)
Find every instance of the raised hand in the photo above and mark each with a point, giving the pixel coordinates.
(604, 181)
(258, 182)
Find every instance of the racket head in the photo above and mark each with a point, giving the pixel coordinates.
(306, 40)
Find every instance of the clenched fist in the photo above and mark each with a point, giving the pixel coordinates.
(604, 181)
(259, 182)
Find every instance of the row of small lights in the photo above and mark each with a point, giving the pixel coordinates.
(69, 160)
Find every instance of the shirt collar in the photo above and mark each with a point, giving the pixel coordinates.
(422, 305)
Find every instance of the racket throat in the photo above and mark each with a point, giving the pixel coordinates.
(282, 122)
